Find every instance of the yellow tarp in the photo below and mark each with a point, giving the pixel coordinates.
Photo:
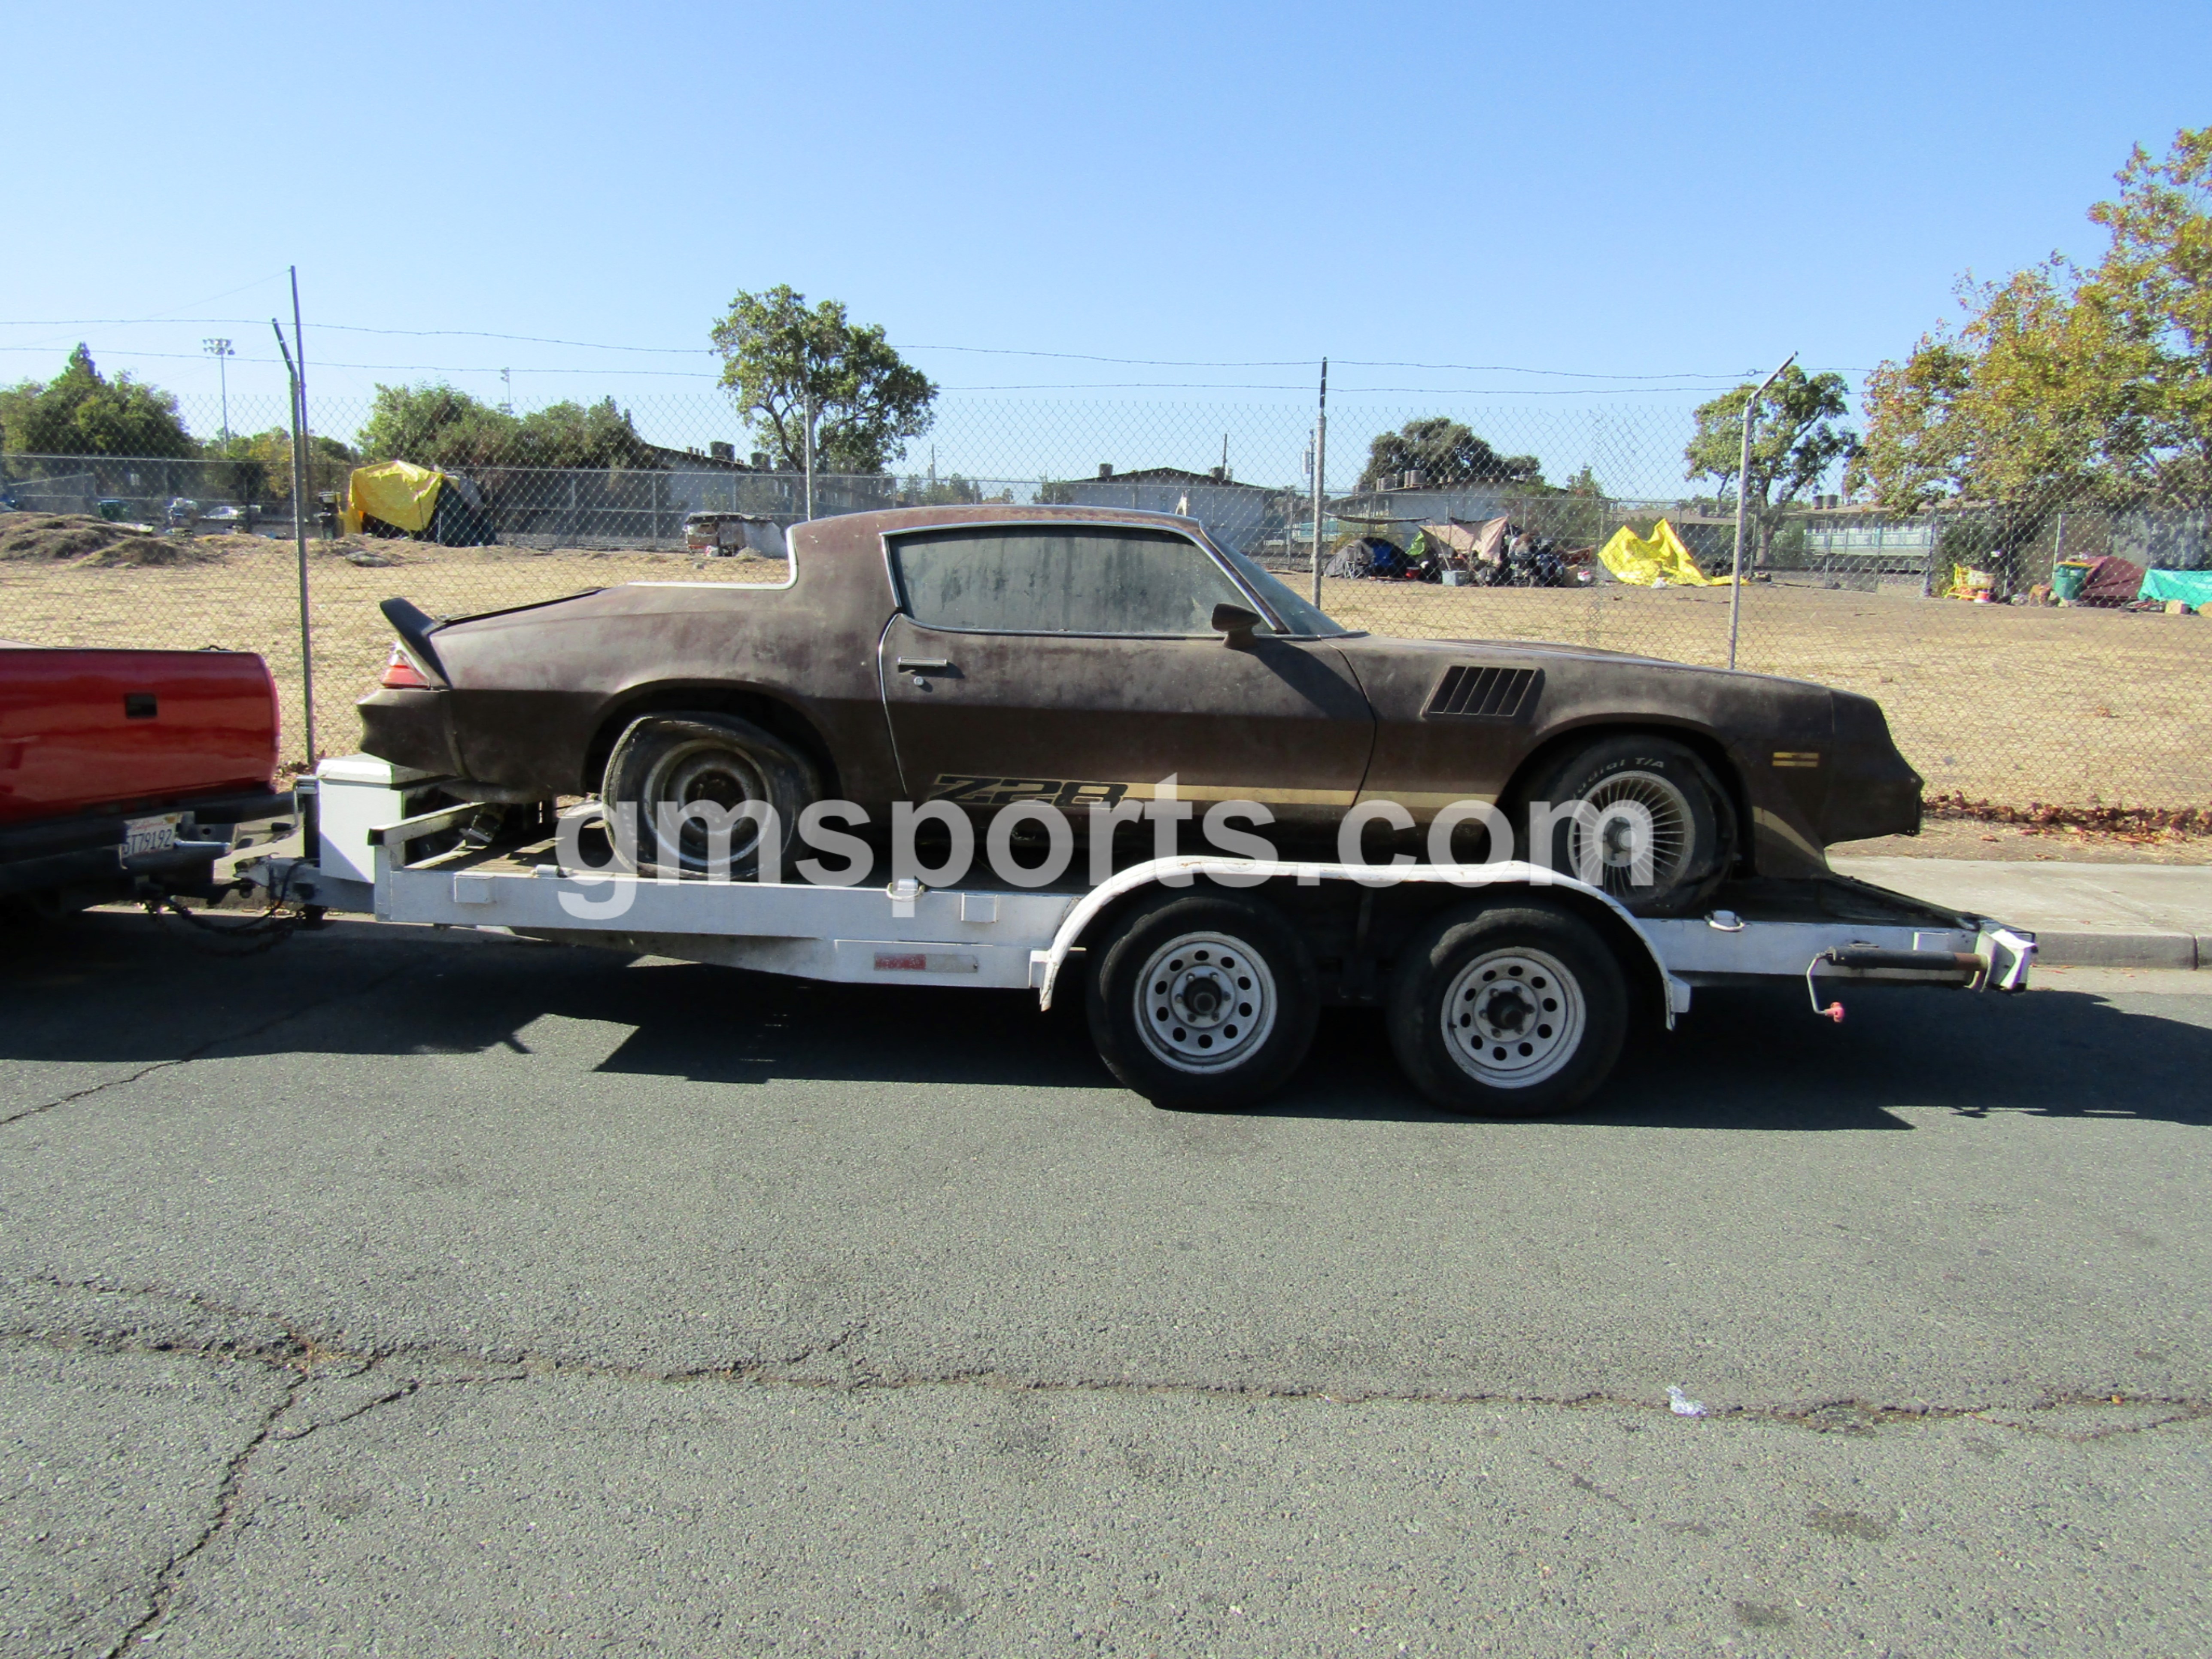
(398, 492)
(1660, 558)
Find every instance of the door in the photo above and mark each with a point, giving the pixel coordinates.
(1076, 663)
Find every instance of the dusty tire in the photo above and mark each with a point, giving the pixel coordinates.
(1510, 1011)
(678, 758)
(1692, 824)
(1199, 1000)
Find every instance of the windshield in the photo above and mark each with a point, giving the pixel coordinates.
(1301, 618)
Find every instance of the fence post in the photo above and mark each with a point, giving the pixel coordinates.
(1320, 472)
(1743, 492)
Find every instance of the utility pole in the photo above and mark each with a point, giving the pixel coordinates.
(220, 350)
(1743, 492)
(1321, 471)
(507, 402)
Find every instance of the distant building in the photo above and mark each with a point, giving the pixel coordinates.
(1236, 516)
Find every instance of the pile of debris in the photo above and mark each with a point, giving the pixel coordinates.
(73, 538)
(2130, 823)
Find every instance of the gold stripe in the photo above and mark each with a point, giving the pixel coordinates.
(1248, 791)
(1427, 800)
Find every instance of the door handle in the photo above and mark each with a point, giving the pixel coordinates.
(924, 665)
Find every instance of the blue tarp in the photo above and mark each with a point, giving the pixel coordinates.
(2193, 587)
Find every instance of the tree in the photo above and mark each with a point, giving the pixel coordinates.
(262, 463)
(438, 426)
(2153, 295)
(79, 412)
(1795, 441)
(1447, 454)
(776, 355)
(2062, 383)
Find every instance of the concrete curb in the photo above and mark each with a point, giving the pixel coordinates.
(2100, 950)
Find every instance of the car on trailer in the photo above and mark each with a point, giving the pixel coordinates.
(986, 655)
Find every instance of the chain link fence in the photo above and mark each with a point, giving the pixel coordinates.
(1947, 617)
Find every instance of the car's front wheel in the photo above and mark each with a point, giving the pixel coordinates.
(1202, 999)
(689, 777)
(1638, 815)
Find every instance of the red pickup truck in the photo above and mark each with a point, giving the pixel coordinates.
(116, 765)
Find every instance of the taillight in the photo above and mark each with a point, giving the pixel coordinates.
(401, 674)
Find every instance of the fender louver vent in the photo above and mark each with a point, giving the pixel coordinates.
(1487, 694)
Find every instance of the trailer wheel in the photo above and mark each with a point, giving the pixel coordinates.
(1201, 1000)
(1511, 1010)
(675, 759)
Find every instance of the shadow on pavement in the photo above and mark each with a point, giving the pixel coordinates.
(118, 987)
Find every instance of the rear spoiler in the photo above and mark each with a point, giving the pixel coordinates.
(415, 626)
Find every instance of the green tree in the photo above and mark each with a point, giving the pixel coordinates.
(439, 426)
(262, 463)
(435, 426)
(2152, 297)
(2062, 383)
(777, 354)
(1447, 454)
(80, 412)
(1795, 441)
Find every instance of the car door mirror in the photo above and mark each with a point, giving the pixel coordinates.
(1235, 624)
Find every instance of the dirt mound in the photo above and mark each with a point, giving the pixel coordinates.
(71, 538)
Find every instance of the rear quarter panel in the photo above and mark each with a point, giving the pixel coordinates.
(532, 690)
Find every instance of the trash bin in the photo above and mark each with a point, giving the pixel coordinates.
(2067, 578)
(111, 509)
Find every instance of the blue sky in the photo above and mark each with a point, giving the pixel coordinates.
(1672, 192)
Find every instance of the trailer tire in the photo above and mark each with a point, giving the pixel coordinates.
(674, 759)
(1202, 999)
(1509, 1011)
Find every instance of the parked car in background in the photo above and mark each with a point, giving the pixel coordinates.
(122, 772)
(723, 533)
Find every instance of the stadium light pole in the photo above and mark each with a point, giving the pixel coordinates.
(1742, 474)
(220, 350)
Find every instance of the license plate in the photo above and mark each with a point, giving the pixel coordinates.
(151, 834)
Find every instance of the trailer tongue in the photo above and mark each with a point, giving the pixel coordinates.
(1509, 989)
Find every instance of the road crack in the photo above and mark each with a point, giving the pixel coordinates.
(200, 1052)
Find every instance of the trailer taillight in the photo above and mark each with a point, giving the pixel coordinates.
(401, 674)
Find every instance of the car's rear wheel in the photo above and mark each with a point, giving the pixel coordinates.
(1512, 1010)
(663, 763)
(1202, 999)
(1651, 824)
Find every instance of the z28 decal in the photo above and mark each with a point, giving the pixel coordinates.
(964, 791)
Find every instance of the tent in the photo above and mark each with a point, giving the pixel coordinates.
(1648, 560)
(1366, 556)
(417, 500)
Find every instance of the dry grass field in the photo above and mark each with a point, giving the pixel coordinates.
(2009, 703)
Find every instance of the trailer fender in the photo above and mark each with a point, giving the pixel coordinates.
(1045, 965)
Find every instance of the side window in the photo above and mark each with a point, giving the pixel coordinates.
(1079, 579)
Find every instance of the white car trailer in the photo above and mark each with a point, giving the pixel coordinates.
(1507, 989)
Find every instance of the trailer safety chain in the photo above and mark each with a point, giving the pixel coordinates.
(247, 938)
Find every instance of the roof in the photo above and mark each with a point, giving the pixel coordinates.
(1167, 475)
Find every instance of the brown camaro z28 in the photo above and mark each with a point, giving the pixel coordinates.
(1079, 656)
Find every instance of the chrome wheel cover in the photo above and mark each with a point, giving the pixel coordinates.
(1513, 1017)
(1205, 1002)
(1673, 834)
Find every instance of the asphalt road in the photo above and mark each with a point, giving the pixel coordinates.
(408, 1293)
